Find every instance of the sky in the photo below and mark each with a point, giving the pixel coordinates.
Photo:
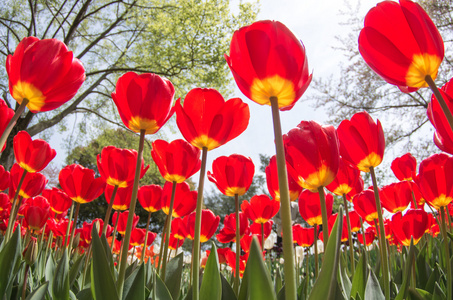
(317, 24)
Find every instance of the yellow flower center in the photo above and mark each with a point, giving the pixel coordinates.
(322, 177)
(421, 66)
(80, 200)
(315, 221)
(24, 90)
(120, 207)
(262, 90)
(174, 178)
(27, 167)
(372, 160)
(342, 189)
(136, 124)
(233, 190)
(440, 201)
(205, 141)
(115, 182)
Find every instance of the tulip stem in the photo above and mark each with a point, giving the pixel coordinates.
(162, 244)
(71, 212)
(14, 208)
(382, 241)
(238, 245)
(325, 225)
(441, 100)
(115, 231)
(76, 215)
(197, 230)
(12, 122)
(109, 210)
(130, 219)
(447, 251)
(24, 287)
(307, 274)
(285, 209)
(351, 248)
(146, 238)
(262, 236)
(315, 243)
(167, 233)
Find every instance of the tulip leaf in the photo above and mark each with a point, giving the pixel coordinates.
(160, 291)
(422, 268)
(9, 259)
(39, 293)
(343, 279)
(360, 277)
(50, 271)
(60, 282)
(227, 290)
(102, 283)
(211, 286)
(373, 289)
(261, 286)
(278, 284)
(75, 269)
(134, 285)
(435, 274)
(173, 275)
(419, 294)
(325, 284)
(402, 294)
(85, 294)
(281, 294)
(438, 293)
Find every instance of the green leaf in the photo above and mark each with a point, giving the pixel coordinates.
(343, 279)
(160, 291)
(50, 271)
(75, 269)
(60, 282)
(402, 294)
(173, 275)
(438, 293)
(435, 276)
(325, 285)
(227, 290)
(85, 294)
(360, 277)
(281, 294)
(419, 294)
(261, 286)
(39, 293)
(278, 284)
(134, 285)
(373, 289)
(102, 283)
(9, 256)
(211, 286)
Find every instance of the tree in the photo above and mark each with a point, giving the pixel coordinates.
(183, 40)
(403, 115)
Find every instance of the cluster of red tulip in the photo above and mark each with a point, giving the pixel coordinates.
(270, 67)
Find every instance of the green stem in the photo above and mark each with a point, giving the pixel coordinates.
(262, 236)
(285, 208)
(441, 100)
(238, 245)
(197, 231)
(167, 233)
(11, 123)
(86, 265)
(351, 245)
(24, 287)
(146, 239)
(325, 225)
(447, 252)
(114, 231)
(315, 243)
(307, 275)
(130, 219)
(14, 209)
(382, 243)
(162, 244)
(69, 225)
(109, 210)
(76, 215)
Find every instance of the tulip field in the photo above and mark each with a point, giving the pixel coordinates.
(381, 242)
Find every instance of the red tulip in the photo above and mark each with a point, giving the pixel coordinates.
(5, 203)
(37, 212)
(6, 114)
(122, 199)
(370, 235)
(4, 178)
(344, 231)
(435, 180)
(179, 228)
(413, 224)
(206, 120)
(246, 242)
(365, 206)
(312, 154)
(304, 237)
(209, 225)
(44, 72)
(272, 182)
(88, 227)
(354, 219)
(310, 207)
(231, 261)
(401, 44)
(32, 155)
(357, 188)
(404, 167)
(443, 136)
(137, 237)
(79, 183)
(228, 233)
(144, 101)
(396, 196)
(117, 166)
(345, 180)
(59, 201)
(177, 160)
(185, 200)
(149, 197)
(255, 229)
(260, 209)
(362, 141)
(32, 185)
(267, 60)
(174, 243)
(122, 221)
(232, 174)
